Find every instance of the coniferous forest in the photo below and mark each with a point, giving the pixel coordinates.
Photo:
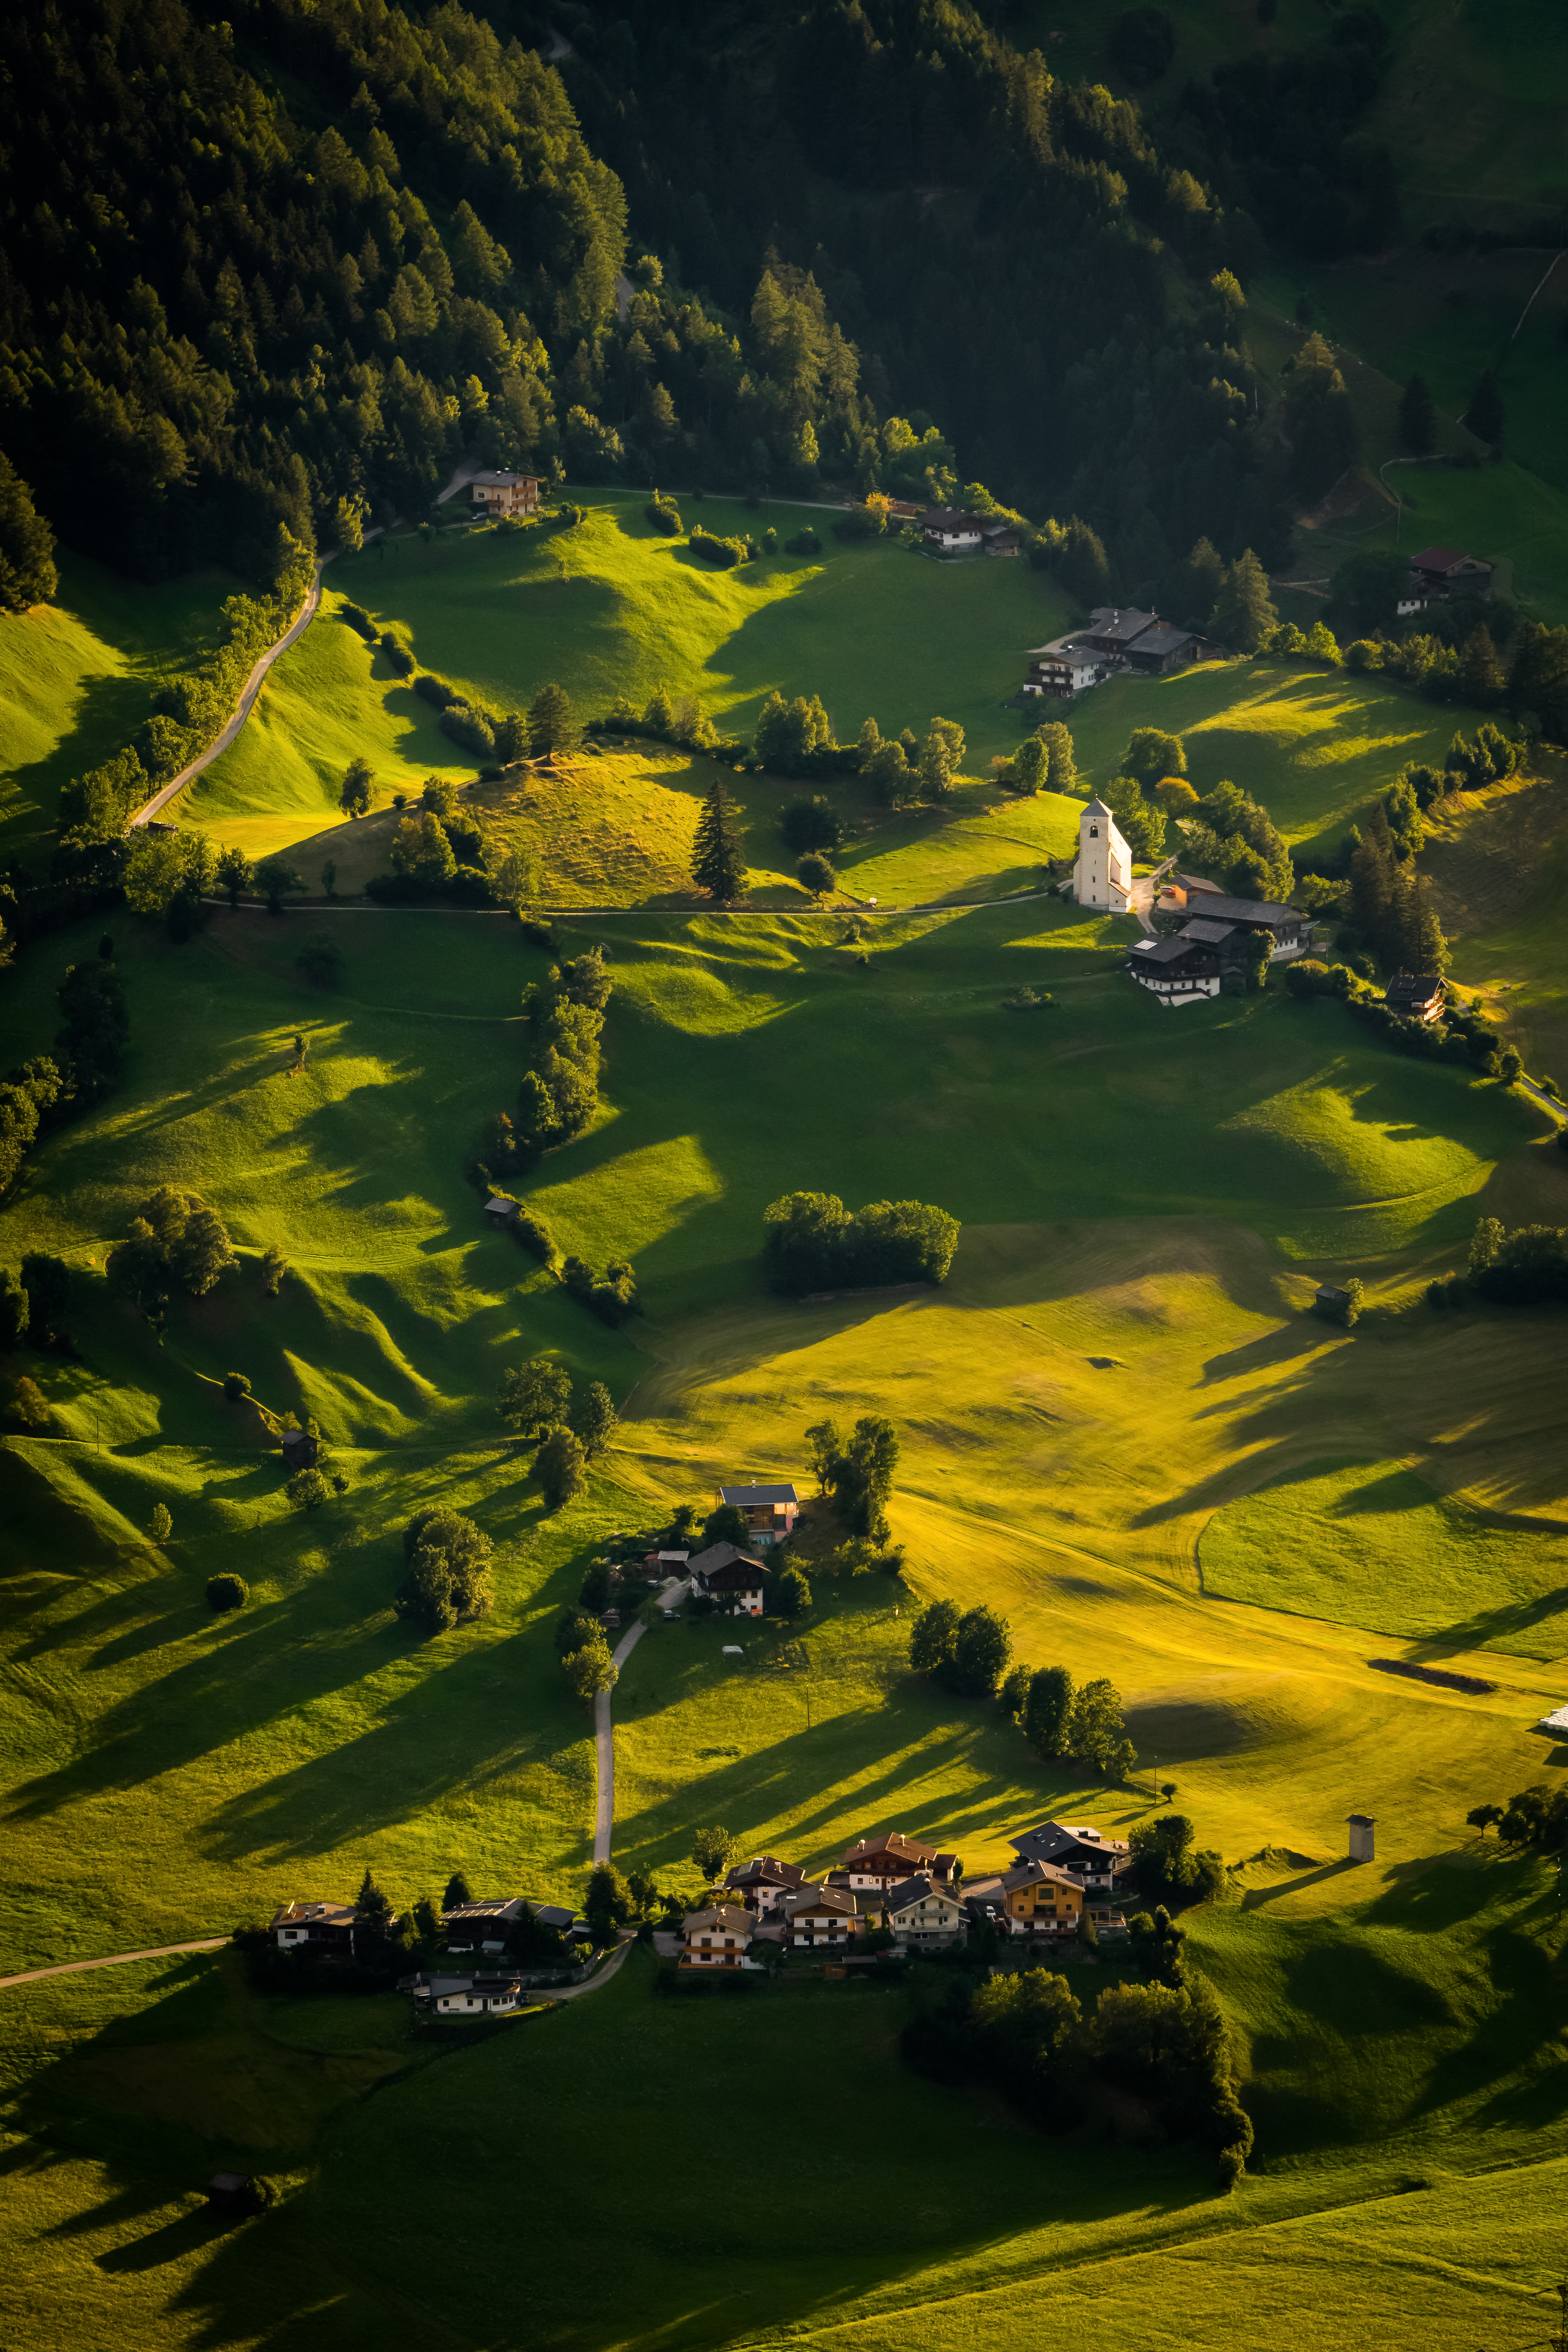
(285, 268)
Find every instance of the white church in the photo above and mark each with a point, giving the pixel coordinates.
(1103, 874)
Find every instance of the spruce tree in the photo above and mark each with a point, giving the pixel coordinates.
(1245, 611)
(27, 574)
(1424, 948)
(1481, 668)
(553, 724)
(457, 1892)
(1486, 415)
(718, 863)
(1372, 881)
(1417, 417)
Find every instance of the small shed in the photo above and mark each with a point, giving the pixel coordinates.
(1332, 1297)
(1361, 1829)
(501, 1211)
(299, 1449)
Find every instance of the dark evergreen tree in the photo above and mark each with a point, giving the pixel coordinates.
(27, 574)
(1245, 611)
(1417, 417)
(718, 863)
(1486, 415)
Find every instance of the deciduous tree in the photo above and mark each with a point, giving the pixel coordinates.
(535, 1396)
(562, 1467)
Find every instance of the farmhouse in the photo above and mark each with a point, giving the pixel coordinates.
(885, 1861)
(1181, 971)
(1102, 876)
(482, 1926)
(923, 1911)
(770, 1511)
(820, 1915)
(1419, 997)
(329, 1925)
(1439, 573)
(718, 1938)
(1097, 1860)
(474, 1996)
(731, 1578)
(763, 1883)
(506, 494)
(1113, 639)
(950, 532)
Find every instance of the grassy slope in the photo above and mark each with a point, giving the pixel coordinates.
(77, 677)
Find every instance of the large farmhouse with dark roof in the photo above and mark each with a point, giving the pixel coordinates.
(1212, 944)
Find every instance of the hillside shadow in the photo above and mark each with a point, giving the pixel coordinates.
(105, 714)
(279, 1661)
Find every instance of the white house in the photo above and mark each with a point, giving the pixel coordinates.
(718, 1938)
(821, 1915)
(1103, 874)
(763, 1883)
(478, 1997)
(920, 1912)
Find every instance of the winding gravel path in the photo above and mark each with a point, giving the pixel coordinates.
(114, 1960)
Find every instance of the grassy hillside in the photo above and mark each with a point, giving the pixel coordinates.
(77, 676)
(613, 607)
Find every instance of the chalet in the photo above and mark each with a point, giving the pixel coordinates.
(1113, 639)
(769, 1512)
(718, 1938)
(299, 1449)
(1181, 971)
(950, 534)
(1065, 667)
(506, 494)
(1102, 876)
(1035, 1898)
(826, 1916)
(1415, 997)
(878, 1862)
(763, 1883)
(484, 1926)
(733, 1578)
(1289, 930)
(1439, 573)
(474, 1996)
(1097, 1860)
(921, 1912)
(329, 1925)
(502, 1212)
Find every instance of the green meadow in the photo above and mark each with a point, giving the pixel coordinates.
(78, 677)
(1121, 1424)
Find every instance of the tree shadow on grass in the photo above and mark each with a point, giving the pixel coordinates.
(1254, 1898)
(187, 2234)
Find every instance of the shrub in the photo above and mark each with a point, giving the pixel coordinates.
(814, 872)
(227, 1592)
(664, 515)
(358, 618)
(307, 1490)
(402, 660)
(236, 1387)
(812, 824)
(723, 553)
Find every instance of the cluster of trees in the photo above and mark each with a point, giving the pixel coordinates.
(1536, 1820)
(815, 1242)
(857, 1475)
(43, 1093)
(1025, 2032)
(584, 1656)
(1234, 838)
(1460, 1034)
(33, 1303)
(1392, 908)
(1043, 762)
(448, 1559)
(565, 1014)
(1517, 1268)
(536, 1399)
(1169, 1868)
(175, 1237)
(682, 722)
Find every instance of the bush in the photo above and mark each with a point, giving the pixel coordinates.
(812, 824)
(814, 872)
(402, 660)
(723, 553)
(664, 515)
(358, 618)
(227, 1592)
(236, 1387)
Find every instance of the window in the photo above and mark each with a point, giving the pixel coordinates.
(1094, 832)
